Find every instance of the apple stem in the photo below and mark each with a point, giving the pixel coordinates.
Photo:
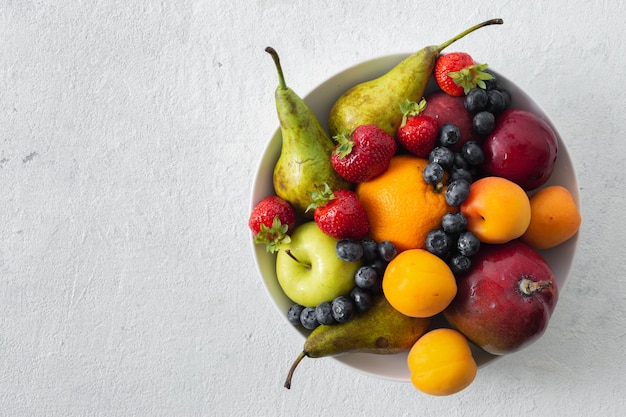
(293, 368)
(529, 287)
(292, 256)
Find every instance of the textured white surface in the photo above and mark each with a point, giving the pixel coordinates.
(130, 132)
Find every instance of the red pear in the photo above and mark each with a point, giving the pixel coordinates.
(505, 301)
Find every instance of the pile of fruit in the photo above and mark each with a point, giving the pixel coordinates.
(412, 207)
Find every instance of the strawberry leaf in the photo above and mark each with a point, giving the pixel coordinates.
(411, 108)
(321, 198)
(481, 74)
(344, 145)
(471, 77)
(273, 237)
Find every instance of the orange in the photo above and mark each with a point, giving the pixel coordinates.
(497, 210)
(554, 218)
(418, 283)
(400, 205)
(441, 362)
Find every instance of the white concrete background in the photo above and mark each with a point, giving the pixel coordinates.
(129, 135)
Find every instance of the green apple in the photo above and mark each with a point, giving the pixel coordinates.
(309, 270)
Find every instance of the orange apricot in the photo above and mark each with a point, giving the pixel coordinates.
(554, 218)
(497, 210)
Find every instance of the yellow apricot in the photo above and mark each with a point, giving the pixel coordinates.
(441, 362)
(418, 284)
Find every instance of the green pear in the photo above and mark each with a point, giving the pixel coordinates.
(378, 101)
(381, 330)
(304, 164)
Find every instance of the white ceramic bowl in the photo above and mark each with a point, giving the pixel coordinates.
(320, 100)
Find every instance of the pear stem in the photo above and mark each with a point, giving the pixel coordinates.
(468, 31)
(281, 77)
(529, 287)
(293, 368)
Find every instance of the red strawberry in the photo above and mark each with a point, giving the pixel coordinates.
(339, 213)
(363, 156)
(272, 220)
(456, 73)
(417, 133)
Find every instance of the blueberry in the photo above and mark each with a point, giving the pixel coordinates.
(442, 155)
(476, 100)
(365, 277)
(349, 250)
(507, 97)
(483, 122)
(362, 299)
(387, 250)
(379, 266)
(461, 173)
(438, 242)
(293, 314)
(459, 161)
(343, 309)
(454, 223)
(472, 153)
(468, 244)
(377, 288)
(457, 192)
(449, 135)
(324, 313)
(496, 101)
(370, 249)
(433, 173)
(308, 318)
(459, 264)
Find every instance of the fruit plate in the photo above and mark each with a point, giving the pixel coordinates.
(320, 100)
